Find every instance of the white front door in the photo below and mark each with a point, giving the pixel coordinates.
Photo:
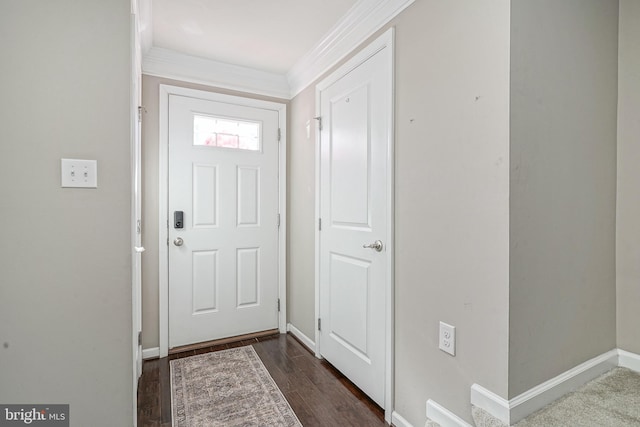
(223, 220)
(355, 177)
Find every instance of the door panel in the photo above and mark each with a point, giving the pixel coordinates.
(223, 174)
(205, 281)
(248, 196)
(248, 285)
(205, 196)
(354, 177)
(350, 161)
(350, 283)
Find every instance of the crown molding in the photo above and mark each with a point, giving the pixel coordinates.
(174, 65)
(361, 21)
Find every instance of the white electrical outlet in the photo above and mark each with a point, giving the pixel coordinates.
(447, 341)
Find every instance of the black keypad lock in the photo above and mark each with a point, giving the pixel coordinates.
(178, 219)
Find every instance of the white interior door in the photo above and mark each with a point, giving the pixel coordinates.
(355, 177)
(223, 255)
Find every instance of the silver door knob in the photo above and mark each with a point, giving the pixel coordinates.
(377, 245)
(178, 241)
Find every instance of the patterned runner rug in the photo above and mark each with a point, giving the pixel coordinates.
(227, 388)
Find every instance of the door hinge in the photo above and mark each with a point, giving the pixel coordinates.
(278, 305)
(279, 134)
(139, 227)
(140, 109)
(278, 220)
(139, 338)
(319, 224)
(319, 324)
(319, 119)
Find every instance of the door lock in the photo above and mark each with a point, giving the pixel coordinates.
(377, 245)
(178, 219)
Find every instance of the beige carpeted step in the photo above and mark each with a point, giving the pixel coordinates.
(611, 400)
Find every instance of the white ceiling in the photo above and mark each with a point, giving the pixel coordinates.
(267, 35)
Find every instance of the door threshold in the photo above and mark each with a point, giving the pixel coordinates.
(220, 341)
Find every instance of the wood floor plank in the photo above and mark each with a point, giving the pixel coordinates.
(300, 407)
(317, 392)
(165, 392)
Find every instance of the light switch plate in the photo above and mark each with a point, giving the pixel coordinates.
(79, 173)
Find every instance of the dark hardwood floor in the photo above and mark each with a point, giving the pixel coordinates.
(318, 393)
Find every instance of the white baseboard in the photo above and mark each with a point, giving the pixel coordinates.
(302, 337)
(443, 416)
(513, 410)
(629, 360)
(490, 402)
(398, 420)
(150, 353)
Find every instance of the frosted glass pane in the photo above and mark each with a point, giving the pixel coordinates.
(226, 133)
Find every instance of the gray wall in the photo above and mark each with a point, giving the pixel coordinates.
(65, 256)
(452, 171)
(452, 142)
(563, 186)
(150, 183)
(628, 212)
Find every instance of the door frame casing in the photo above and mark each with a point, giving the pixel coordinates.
(163, 198)
(384, 41)
(136, 200)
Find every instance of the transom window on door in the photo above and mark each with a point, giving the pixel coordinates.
(226, 133)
